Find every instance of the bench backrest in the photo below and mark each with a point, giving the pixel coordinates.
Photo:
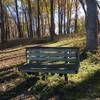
(65, 55)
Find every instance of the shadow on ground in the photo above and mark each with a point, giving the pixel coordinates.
(88, 88)
(23, 42)
(8, 75)
(19, 89)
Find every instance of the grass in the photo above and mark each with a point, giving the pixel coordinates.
(82, 86)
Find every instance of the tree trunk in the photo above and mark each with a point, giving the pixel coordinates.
(52, 28)
(38, 15)
(59, 19)
(18, 20)
(26, 19)
(65, 17)
(68, 16)
(2, 23)
(30, 19)
(91, 25)
(48, 17)
(76, 15)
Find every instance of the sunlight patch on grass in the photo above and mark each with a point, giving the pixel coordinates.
(69, 42)
(86, 70)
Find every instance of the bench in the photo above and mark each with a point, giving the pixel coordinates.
(61, 60)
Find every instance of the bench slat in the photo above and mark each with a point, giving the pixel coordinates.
(51, 54)
(45, 54)
(47, 49)
(52, 71)
(48, 68)
(45, 59)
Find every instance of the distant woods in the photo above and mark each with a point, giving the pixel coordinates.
(40, 18)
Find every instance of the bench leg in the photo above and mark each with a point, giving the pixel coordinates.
(44, 76)
(61, 75)
(66, 77)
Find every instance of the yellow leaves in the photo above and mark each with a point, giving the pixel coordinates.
(6, 2)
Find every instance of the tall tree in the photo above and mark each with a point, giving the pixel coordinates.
(52, 28)
(30, 19)
(65, 16)
(69, 14)
(91, 25)
(18, 20)
(60, 15)
(2, 22)
(76, 15)
(38, 18)
(26, 19)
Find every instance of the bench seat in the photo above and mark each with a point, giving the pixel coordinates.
(55, 68)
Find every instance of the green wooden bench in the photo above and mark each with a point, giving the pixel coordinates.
(61, 60)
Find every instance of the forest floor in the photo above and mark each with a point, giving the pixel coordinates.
(82, 86)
